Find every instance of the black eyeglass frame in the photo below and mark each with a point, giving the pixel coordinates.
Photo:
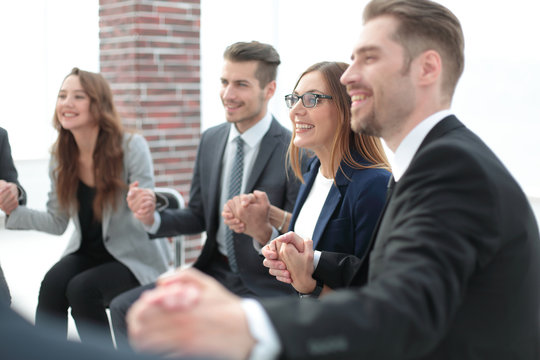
(290, 97)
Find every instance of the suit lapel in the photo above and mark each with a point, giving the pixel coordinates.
(332, 201)
(303, 192)
(445, 125)
(268, 144)
(214, 160)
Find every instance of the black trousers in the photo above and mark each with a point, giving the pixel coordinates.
(87, 285)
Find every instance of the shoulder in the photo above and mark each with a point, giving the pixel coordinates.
(457, 149)
(369, 181)
(363, 176)
(3, 133)
(217, 130)
(133, 141)
(277, 129)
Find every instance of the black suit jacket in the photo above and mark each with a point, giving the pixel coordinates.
(454, 272)
(203, 212)
(7, 168)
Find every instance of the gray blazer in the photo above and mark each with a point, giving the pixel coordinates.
(124, 236)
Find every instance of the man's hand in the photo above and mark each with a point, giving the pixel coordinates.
(230, 220)
(9, 196)
(142, 203)
(190, 313)
(273, 260)
(249, 213)
(300, 265)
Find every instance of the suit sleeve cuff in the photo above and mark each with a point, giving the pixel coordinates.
(267, 345)
(155, 226)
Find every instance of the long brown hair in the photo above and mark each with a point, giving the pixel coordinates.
(369, 147)
(108, 153)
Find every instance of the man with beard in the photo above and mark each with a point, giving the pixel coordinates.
(454, 271)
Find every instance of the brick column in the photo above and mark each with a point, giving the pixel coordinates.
(150, 54)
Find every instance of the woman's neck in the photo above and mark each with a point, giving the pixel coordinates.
(328, 167)
(86, 141)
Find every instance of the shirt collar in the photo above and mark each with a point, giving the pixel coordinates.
(255, 133)
(410, 144)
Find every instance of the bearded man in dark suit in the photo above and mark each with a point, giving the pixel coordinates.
(455, 268)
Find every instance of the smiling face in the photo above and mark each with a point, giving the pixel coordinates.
(314, 128)
(73, 106)
(382, 92)
(244, 101)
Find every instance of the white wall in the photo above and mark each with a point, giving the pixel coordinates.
(496, 96)
(42, 40)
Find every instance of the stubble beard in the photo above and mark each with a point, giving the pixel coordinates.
(366, 125)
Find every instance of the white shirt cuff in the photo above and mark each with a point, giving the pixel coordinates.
(258, 247)
(267, 345)
(155, 226)
(316, 258)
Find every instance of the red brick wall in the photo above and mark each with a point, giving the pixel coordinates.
(150, 54)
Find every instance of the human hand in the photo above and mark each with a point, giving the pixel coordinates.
(300, 265)
(142, 203)
(252, 211)
(9, 196)
(190, 313)
(273, 260)
(230, 219)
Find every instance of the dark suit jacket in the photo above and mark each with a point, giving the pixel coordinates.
(8, 173)
(454, 273)
(7, 168)
(351, 209)
(203, 212)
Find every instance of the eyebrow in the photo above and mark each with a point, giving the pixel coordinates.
(236, 81)
(365, 49)
(77, 90)
(309, 91)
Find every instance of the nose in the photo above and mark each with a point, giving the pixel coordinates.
(297, 109)
(227, 92)
(346, 76)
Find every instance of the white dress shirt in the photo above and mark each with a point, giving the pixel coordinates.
(252, 138)
(267, 345)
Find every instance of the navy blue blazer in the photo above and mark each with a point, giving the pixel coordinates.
(351, 210)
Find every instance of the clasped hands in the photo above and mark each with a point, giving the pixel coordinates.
(288, 257)
(9, 196)
(142, 202)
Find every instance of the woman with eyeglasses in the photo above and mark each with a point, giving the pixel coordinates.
(93, 161)
(344, 189)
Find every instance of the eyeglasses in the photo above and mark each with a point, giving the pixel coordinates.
(309, 100)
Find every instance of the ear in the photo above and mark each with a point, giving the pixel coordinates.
(270, 90)
(430, 67)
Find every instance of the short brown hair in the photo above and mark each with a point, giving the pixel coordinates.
(425, 25)
(345, 139)
(265, 54)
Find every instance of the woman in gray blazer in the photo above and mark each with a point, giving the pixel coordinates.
(92, 162)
